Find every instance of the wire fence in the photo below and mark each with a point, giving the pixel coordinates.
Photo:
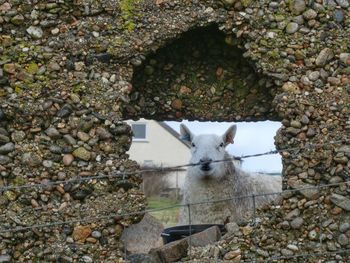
(188, 206)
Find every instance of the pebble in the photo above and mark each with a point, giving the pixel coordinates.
(5, 258)
(292, 27)
(96, 234)
(35, 32)
(87, 259)
(341, 201)
(310, 14)
(343, 240)
(296, 223)
(53, 133)
(7, 148)
(325, 55)
(344, 227)
(297, 6)
(343, 3)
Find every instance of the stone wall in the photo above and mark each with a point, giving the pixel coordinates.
(67, 82)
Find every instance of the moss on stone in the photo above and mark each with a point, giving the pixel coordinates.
(128, 12)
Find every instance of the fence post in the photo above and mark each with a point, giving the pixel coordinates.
(254, 225)
(190, 230)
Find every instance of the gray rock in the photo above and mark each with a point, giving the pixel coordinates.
(343, 3)
(344, 227)
(47, 163)
(35, 32)
(344, 58)
(297, 6)
(325, 55)
(142, 258)
(69, 139)
(82, 154)
(18, 136)
(4, 159)
(170, 252)
(4, 139)
(314, 75)
(7, 148)
(297, 223)
(87, 259)
(142, 237)
(5, 258)
(338, 15)
(31, 159)
(310, 14)
(53, 133)
(292, 27)
(341, 201)
(96, 234)
(343, 240)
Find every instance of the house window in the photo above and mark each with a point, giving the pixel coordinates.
(139, 131)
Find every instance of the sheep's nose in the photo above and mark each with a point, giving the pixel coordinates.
(205, 160)
(205, 164)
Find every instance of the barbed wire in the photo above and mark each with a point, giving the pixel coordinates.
(123, 175)
(122, 215)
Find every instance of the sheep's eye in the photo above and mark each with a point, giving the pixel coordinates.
(193, 145)
(221, 144)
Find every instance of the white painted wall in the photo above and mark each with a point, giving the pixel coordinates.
(162, 148)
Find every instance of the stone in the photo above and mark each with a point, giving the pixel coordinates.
(67, 159)
(83, 136)
(87, 259)
(31, 159)
(103, 134)
(96, 234)
(176, 104)
(5, 258)
(343, 240)
(142, 237)
(324, 56)
(81, 233)
(4, 159)
(343, 3)
(341, 201)
(296, 223)
(208, 236)
(7, 148)
(297, 6)
(69, 139)
(53, 133)
(310, 14)
(292, 27)
(339, 15)
(171, 252)
(344, 227)
(17, 20)
(291, 87)
(35, 32)
(82, 154)
(142, 258)
(232, 254)
(345, 58)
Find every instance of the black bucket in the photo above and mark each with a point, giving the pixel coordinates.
(178, 232)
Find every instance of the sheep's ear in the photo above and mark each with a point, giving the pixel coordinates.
(229, 134)
(185, 133)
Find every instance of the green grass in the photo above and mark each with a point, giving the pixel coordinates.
(168, 217)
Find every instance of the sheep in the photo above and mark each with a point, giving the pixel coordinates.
(210, 181)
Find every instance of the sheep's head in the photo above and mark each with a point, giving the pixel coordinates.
(207, 148)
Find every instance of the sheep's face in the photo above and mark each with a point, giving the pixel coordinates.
(206, 150)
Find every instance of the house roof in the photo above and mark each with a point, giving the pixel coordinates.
(173, 132)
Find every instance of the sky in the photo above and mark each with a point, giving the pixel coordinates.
(251, 138)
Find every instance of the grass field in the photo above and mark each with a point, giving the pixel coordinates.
(168, 217)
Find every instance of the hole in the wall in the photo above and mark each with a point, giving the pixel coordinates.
(159, 146)
(200, 76)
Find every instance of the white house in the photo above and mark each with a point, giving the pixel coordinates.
(155, 144)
